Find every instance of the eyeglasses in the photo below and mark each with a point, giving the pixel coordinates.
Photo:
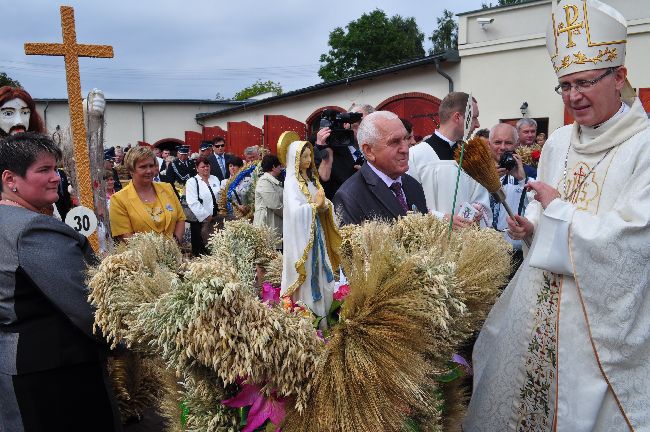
(218, 145)
(581, 85)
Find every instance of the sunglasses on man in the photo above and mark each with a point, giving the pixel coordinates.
(218, 145)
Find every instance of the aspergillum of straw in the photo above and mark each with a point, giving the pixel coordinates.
(453, 206)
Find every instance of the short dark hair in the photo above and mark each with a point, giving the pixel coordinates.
(269, 162)
(236, 161)
(218, 139)
(19, 151)
(201, 159)
(407, 125)
(452, 103)
(484, 133)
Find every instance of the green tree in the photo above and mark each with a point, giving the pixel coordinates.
(7, 81)
(258, 88)
(445, 37)
(371, 42)
(502, 3)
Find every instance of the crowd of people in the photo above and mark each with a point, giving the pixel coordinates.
(583, 210)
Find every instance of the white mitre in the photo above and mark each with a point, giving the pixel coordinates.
(584, 35)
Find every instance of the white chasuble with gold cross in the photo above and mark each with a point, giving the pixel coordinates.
(567, 346)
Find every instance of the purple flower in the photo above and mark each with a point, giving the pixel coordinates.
(262, 408)
(270, 293)
(342, 292)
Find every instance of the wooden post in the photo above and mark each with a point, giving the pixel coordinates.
(71, 51)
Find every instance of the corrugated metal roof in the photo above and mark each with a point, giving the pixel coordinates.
(449, 56)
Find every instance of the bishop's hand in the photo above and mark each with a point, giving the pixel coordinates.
(544, 193)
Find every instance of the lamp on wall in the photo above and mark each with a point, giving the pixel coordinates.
(524, 109)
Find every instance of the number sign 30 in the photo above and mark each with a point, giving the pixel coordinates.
(82, 220)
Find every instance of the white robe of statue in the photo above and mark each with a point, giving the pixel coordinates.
(569, 339)
(438, 179)
(307, 233)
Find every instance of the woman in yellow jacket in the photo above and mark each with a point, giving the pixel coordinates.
(144, 205)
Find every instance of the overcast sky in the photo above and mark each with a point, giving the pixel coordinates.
(191, 49)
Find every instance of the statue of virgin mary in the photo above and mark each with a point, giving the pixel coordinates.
(311, 237)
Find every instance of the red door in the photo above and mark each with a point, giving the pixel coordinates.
(644, 95)
(209, 132)
(193, 139)
(420, 109)
(241, 135)
(275, 125)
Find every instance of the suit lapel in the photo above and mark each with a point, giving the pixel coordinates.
(381, 191)
(410, 192)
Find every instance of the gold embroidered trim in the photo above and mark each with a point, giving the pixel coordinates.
(606, 55)
(557, 352)
(572, 29)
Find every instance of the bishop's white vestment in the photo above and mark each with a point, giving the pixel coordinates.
(438, 179)
(567, 346)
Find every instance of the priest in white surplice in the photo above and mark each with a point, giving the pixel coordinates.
(567, 346)
(432, 163)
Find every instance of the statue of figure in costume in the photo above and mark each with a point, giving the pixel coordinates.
(18, 112)
(311, 236)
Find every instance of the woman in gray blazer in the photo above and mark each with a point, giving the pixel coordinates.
(52, 366)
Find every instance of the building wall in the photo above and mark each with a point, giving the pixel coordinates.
(124, 120)
(506, 63)
(373, 91)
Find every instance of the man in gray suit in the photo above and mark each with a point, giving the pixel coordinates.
(381, 189)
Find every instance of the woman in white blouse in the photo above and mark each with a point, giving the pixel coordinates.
(201, 192)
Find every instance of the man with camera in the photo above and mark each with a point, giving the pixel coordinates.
(338, 156)
(502, 141)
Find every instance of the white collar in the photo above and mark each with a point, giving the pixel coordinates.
(389, 181)
(588, 133)
(438, 134)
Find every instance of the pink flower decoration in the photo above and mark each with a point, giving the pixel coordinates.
(262, 408)
(270, 293)
(342, 292)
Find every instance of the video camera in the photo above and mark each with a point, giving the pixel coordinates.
(340, 136)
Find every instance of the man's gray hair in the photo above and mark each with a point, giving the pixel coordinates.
(515, 135)
(368, 132)
(252, 149)
(364, 108)
(526, 122)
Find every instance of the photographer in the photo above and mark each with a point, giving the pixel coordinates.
(337, 163)
(503, 140)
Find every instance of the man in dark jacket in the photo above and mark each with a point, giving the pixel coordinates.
(381, 189)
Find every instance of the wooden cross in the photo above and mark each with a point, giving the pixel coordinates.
(71, 51)
(571, 25)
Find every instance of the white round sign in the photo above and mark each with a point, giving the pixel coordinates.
(82, 220)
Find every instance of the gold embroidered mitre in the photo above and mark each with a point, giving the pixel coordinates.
(584, 35)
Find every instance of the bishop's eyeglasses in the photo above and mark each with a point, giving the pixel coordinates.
(581, 85)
